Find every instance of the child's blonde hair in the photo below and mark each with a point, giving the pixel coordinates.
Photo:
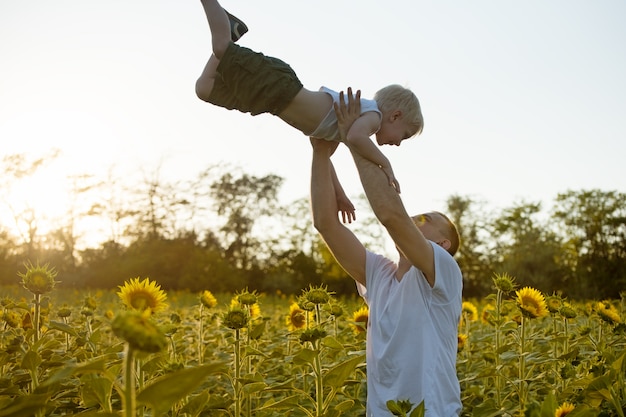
(395, 97)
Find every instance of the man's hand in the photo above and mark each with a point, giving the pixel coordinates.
(347, 115)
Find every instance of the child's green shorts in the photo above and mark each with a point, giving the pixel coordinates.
(251, 82)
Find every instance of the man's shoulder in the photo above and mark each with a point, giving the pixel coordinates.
(447, 268)
(377, 262)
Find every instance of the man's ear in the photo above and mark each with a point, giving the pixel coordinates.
(445, 243)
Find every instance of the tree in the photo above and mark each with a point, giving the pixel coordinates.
(8, 259)
(473, 254)
(243, 200)
(527, 249)
(156, 208)
(67, 235)
(593, 223)
(295, 226)
(111, 208)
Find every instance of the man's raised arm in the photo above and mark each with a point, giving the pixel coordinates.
(386, 202)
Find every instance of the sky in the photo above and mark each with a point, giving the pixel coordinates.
(522, 100)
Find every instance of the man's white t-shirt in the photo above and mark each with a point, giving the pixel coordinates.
(412, 335)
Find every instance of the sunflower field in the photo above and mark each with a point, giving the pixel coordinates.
(139, 351)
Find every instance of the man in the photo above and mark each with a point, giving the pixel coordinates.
(414, 304)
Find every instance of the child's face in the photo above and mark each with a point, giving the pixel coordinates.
(393, 130)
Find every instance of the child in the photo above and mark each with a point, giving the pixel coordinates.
(238, 78)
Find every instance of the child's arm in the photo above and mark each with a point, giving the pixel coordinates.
(357, 135)
(344, 205)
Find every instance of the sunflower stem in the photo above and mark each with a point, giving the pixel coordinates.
(522, 365)
(248, 368)
(319, 382)
(497, 340)
(555, 333)
(237, 380)
(201, 335)
(67, 337)
(318, 316)
(565, 347)
(129, 382)
(37, 317)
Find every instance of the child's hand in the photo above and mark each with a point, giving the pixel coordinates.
(392, 178)
(346, 208)
(346, 115)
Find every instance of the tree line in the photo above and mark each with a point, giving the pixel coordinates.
(225, 230)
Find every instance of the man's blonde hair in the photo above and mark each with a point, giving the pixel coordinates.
(395, 97)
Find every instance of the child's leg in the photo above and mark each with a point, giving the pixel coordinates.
(204, 84)
(219, 26)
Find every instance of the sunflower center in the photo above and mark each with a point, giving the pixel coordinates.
(530, 303)
(298, 319)
(142, 300)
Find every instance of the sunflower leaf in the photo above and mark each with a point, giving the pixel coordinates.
(165, 391)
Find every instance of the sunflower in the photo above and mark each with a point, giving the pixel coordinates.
(12, 319)
(253, 309)
(564, 410)
(208, 299)
(297, 318)
(567, 311)
(531, 303)
(38, 279)
(317, 295)
(312, 335)
(236, 318)
(469, 311)
(305, 304)
(607, 312)
(335, 310)
(247, 298)
(90, 303)
(139, 331)
(504, 283)
(554, 303)
(142, 295)
(360, 318)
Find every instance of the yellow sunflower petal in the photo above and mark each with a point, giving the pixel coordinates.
(360, 318)
(531, 302)
(564, 410)
(143, 295)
